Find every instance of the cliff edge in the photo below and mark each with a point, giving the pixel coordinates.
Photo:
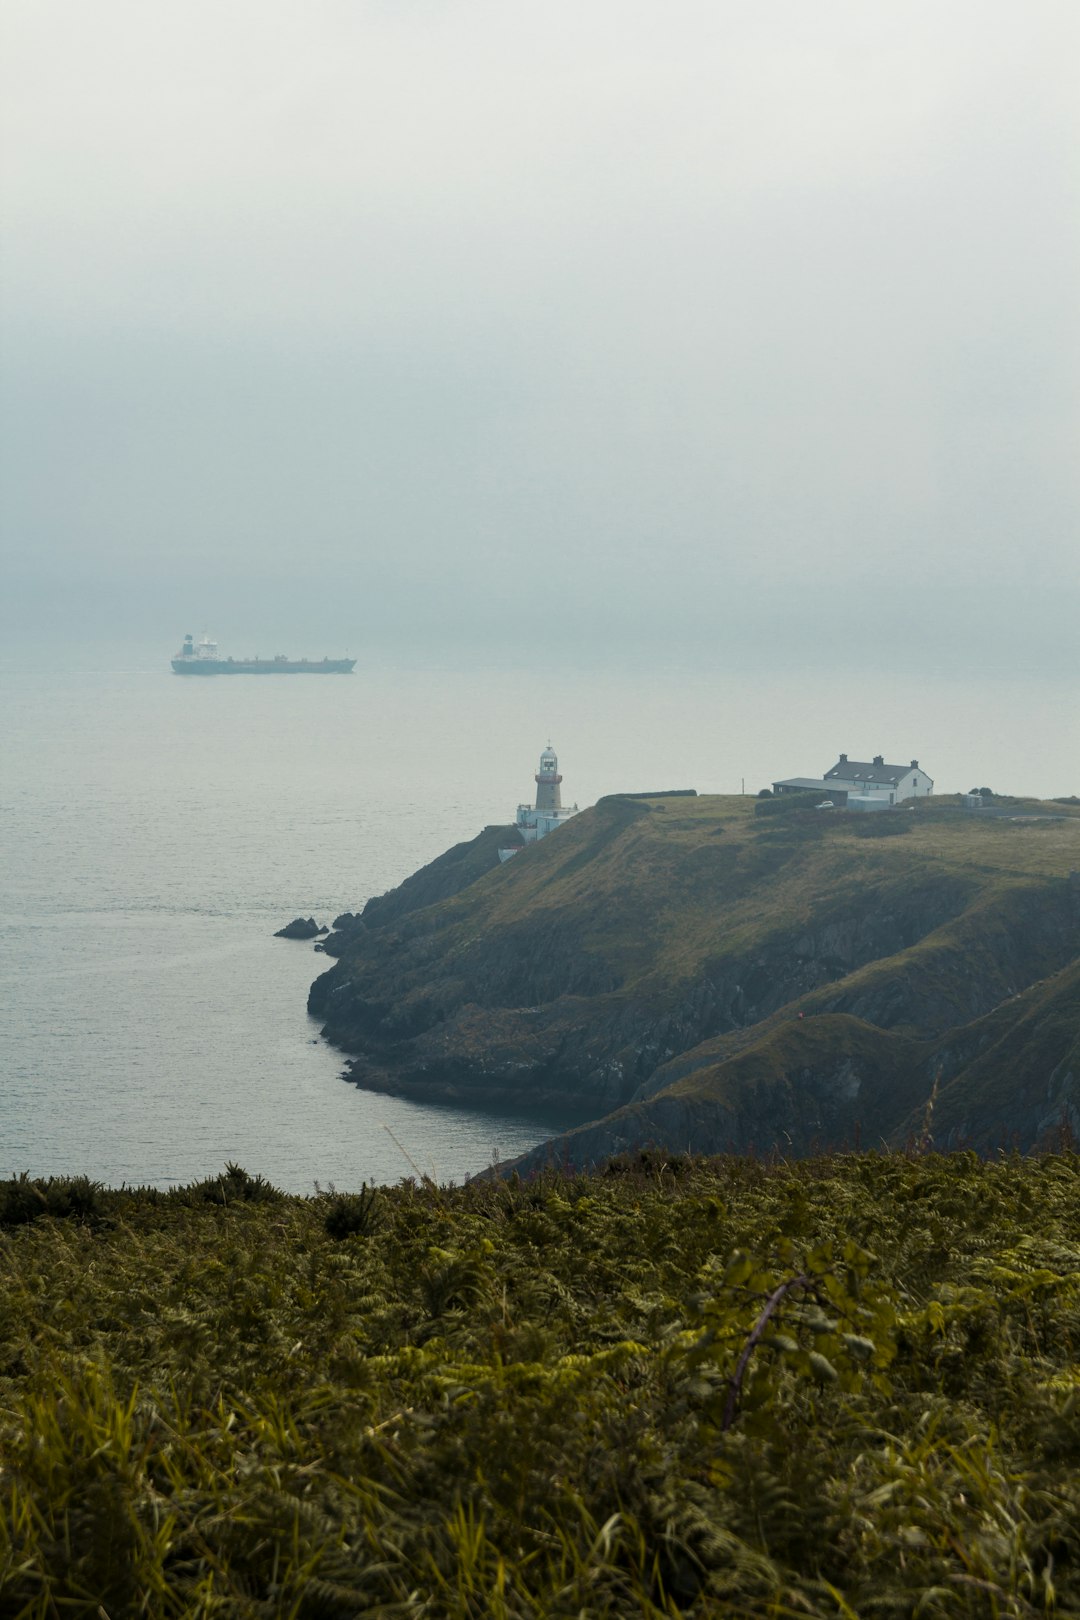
(699, 975)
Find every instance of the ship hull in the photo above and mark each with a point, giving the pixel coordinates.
(263, 666)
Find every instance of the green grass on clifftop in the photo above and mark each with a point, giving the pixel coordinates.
(675, 862)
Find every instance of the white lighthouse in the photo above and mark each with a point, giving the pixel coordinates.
(535, 821)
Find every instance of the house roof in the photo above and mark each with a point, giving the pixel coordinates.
(811, 783)
(860, 770)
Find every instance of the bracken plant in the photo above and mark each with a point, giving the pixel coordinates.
(847, 1387)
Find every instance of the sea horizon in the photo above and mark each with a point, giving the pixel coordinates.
(158, 831)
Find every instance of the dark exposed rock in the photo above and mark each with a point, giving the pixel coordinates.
(1008, 1080)
(451, 872)
(301, 928)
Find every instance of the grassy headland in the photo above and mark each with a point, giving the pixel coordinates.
(699, 973)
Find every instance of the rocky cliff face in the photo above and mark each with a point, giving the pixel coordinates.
(451, 872)
(1010, 1080)
(683, 967)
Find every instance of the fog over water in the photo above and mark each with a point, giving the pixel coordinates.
(696, 385)
(585, 327)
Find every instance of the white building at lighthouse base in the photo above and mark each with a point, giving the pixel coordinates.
(535, 821)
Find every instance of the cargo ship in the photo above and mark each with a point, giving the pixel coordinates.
(203, 660)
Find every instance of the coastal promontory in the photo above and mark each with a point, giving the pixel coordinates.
(712, 973)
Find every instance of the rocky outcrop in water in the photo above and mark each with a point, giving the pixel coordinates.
(301, 928)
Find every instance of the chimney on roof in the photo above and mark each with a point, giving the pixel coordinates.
(879, 759)
(914, 764)
(843, 759)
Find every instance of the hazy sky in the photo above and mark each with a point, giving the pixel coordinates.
(739, 325)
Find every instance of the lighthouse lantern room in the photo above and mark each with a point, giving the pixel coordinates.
(548, 782)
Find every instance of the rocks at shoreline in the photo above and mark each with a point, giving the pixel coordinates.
(301, 928)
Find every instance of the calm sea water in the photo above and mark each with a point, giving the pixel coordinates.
(157, 830)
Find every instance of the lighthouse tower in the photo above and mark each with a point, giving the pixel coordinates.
(535, 821)
(548, 782)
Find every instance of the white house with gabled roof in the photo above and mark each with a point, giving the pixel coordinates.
(864, 784)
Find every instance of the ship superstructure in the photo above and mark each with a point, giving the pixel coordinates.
(203, 659)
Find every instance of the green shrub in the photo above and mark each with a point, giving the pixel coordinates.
(351, 1214)
(23, 1199)
(235, 1186)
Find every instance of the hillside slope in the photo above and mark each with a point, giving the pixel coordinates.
(695, 974)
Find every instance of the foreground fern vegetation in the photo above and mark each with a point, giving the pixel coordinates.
(678, 1387)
